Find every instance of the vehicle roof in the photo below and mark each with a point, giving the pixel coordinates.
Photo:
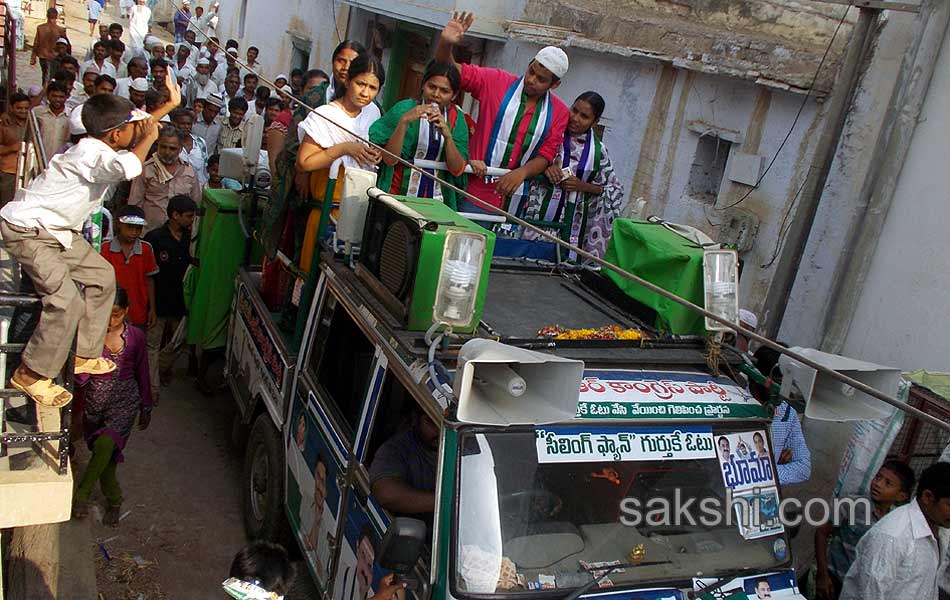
(523, 298)
(661, 378)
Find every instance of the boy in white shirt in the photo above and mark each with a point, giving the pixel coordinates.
(42, 230)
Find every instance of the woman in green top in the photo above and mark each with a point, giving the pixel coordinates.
(429, 127)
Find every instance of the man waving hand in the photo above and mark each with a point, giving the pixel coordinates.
(520, 121)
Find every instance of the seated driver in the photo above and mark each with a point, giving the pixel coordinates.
(403, 471)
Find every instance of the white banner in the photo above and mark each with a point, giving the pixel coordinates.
(573, 444)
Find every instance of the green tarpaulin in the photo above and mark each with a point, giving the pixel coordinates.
(209, 288)
(938, 383)
(662, 257)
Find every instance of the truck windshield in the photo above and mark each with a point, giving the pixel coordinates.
(543, 509)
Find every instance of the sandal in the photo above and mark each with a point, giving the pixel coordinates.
(45, 392)
(112, 516)
(80, 509)
(93, 366)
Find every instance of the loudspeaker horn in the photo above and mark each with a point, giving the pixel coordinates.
(828, 399)
(497, 384)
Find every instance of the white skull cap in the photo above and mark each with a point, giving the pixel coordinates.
(553, 59)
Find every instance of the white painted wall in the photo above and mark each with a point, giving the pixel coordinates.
(903, 316)
(803, 324)
(271, 25)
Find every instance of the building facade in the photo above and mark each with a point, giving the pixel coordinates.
(699, 98)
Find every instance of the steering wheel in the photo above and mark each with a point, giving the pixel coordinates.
(534, 504)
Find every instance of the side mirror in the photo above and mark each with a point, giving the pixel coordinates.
(402, 545)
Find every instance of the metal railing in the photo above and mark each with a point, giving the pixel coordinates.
(21, 328)
(7, 55)
(26, 305)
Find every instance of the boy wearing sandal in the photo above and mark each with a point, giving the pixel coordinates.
(42, 230)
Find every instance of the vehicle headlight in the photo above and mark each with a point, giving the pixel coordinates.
(721, 283)
(459, 276)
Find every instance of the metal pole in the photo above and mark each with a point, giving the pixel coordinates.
(845, 85)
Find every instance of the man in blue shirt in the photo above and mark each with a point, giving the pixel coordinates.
(793, 459)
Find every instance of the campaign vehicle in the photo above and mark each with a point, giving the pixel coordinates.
(535, 407)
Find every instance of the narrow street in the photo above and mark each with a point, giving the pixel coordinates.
(181, 483)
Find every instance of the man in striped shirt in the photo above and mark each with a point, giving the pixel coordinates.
(793, 459)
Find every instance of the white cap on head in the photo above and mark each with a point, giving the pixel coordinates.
(62, 41)
(215, 99)
(203, 61)
(139, 84)
(287, 89)
(553, 59)
(748, 318)
(75, 122)
(282, 76)
(232, 51)
(157, 42)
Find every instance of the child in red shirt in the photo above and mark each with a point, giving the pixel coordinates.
(134, 264)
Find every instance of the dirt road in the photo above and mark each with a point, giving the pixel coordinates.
(181, 484)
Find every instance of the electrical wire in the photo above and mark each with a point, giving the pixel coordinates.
(648, 285)
(782, 229)
(798, 115)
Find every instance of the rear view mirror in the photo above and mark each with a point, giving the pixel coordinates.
(401, 547)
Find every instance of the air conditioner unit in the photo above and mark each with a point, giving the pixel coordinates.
(425, 262)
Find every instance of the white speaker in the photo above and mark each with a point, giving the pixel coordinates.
(497, 384)
(828, 399)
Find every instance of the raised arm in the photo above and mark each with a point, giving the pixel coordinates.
(174, 97)
(452, 34)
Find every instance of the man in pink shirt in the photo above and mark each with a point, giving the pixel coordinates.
(520, 121)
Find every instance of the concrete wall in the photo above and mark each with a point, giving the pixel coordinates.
(901, 318)
(804, 322)
(272, 26)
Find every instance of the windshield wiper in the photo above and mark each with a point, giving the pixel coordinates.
(594, 581)
(692, 595)
(607, 571)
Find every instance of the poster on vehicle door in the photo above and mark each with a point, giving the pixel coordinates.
(768, 585)
(313, 499)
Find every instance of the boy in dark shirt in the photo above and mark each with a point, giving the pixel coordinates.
(171, 244)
